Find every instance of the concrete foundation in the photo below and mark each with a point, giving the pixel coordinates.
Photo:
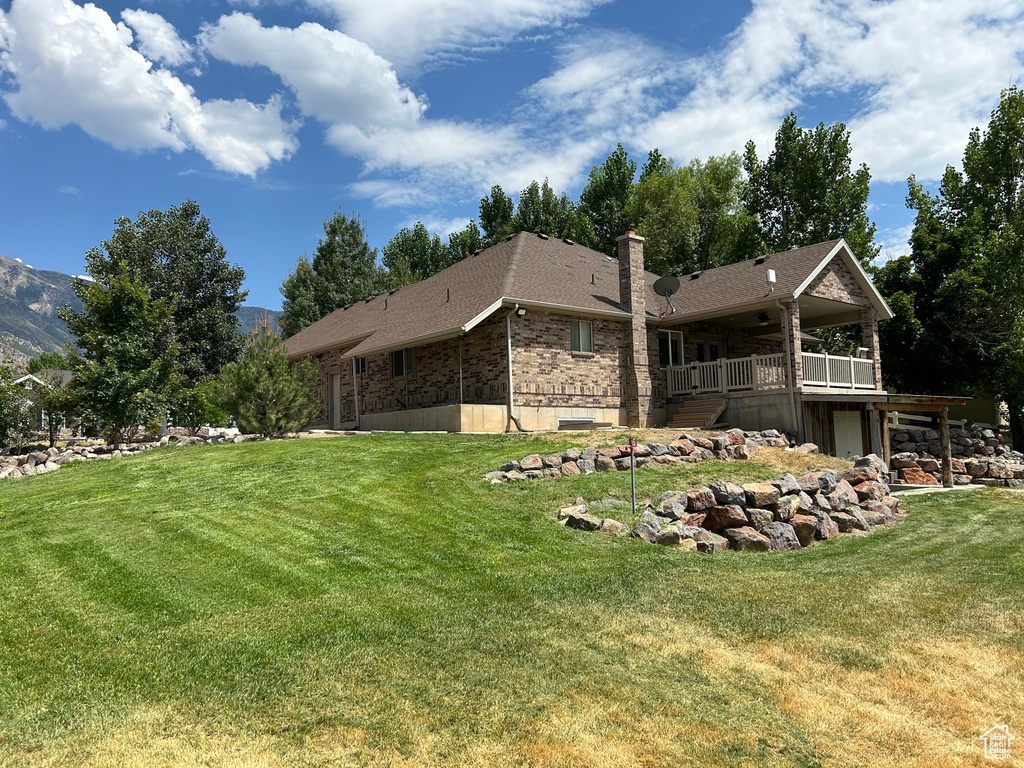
(484, 418)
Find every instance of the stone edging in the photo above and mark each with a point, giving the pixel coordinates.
(40, 462)
(733, 445)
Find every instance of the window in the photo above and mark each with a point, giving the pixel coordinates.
(401, 363)
(360, 365)
(708, 351)
(582, 336)
(670, 348)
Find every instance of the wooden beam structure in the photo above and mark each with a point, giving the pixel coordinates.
(920, 403)
(886, 446)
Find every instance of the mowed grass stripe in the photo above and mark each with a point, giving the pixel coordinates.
(371, 601)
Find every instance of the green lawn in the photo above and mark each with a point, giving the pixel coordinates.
(371, 601)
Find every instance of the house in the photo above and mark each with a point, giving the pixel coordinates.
(537, 332)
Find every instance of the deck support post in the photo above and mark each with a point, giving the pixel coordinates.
(947, 453)
(886, 447)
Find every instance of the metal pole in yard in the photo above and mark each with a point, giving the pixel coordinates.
(632, 470)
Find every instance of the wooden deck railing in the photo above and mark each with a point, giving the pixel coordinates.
(768, 372)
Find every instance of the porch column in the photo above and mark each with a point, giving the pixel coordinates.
(791, 327)
(632, 292)
(869, 339)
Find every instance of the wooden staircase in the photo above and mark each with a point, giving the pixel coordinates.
(697, 414)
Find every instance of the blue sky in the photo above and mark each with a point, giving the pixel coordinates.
(273, 114)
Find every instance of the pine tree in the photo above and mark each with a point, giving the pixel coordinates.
(265, 394)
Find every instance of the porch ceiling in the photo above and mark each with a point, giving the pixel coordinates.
(814, 313)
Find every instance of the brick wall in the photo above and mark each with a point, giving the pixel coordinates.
(546, 372)
(326, 364)
(838, 283)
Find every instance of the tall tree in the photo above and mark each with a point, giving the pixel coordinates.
(343, 270)
(806, 191)
(466, 242)
(541, 209)
(605, 198)
(496, 215)
(959, 295)
(129, 373)
(412, 255)
(176, 255)
(692, 216)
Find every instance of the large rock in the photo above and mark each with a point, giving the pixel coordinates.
(533, 461)
(604, 464)
(725, 516)
(573, 454)
(915, 476)
(781, 537)
(903, 460)
(857, 475)
(668, 538)
(645, 532)
(713, 545)
(809, 484)
(870, 490)
(727, 493)
(790, 505)
(850, 520)
(581, 521)
(552, 462)
(683, 446)
(976, 467)
(700, 500)
(786, 484)
(875, 513)
(761, 495)
(746, 539)
(614, 528)
(805, 527)
(827, 481)
(759, 518)
(587, 466)
(574, 509)
(875, 462)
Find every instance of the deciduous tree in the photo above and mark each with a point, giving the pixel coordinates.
(178, 258)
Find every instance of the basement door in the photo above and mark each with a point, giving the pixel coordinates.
(849, 440)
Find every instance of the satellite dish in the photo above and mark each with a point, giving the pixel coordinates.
(666, 286)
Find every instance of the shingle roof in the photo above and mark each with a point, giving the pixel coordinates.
(532, 269)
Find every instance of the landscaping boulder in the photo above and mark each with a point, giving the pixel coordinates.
(587, 466)
(645, 531)
(875, 462)
(857, 475)
(604, 464)
(786, 484)
(788, 506)
(700, 500)
(727, 493)
(915, 476)
(713, 544)
(683, 446)
(581, 521)
(759, 518)
(850, 520)
(725, 516)
(809, 484)
(533, 461)
(573, 454)
(781, 537)
(746, 539)
(875, 513)
(761, 495)
(870, 490)
(903, 460)
(827, 481)
(614, 528)
(805, 527)
(569, 468)
(552, 462)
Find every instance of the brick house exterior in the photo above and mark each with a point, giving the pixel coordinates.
(536, 331)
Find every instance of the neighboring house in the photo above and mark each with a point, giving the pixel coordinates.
(546, 332)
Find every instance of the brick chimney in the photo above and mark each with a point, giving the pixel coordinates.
(632, 292)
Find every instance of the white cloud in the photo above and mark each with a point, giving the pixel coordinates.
(336, 79)
(157, 38)
(67, 189)
(926, 71)
(73, 65)
(407, 32)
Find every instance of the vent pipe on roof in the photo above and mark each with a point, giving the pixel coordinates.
(449, 296)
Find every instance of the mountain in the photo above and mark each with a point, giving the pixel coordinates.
(29, 300)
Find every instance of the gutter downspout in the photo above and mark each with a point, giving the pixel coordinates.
(789, 368)
(508, 338)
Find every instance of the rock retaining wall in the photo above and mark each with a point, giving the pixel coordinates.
(782, 514)
(965, 443)
(734, 445)
(924, 469)
(43, 460)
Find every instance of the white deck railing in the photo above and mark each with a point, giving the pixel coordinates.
(834, 372)
(759, 372)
